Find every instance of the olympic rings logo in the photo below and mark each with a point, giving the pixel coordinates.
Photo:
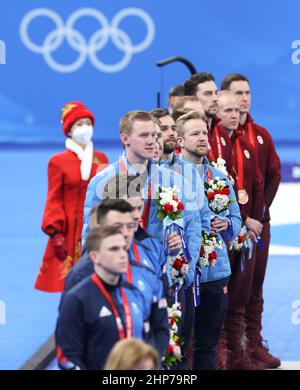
(87, 48)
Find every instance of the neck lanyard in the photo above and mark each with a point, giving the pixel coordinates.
(128, 317)
(137, 258)
(146, 212)
(251, 135)
(240, 164)
(219, 147)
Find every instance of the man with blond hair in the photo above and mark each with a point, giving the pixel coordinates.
(210, 314)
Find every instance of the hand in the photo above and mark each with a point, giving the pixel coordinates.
(59, 246)
(251, 235)
(218, 225)
(174, 242)
(254, 225)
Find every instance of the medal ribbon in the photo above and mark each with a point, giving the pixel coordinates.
(128, 317)
(219, 146)
(251, 135)
(240, 165)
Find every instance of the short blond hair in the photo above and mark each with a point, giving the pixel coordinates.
(127, 121)
(182, 120)
(127, 353)
(223, 95)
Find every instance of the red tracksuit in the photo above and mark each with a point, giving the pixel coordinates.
(248, 180)
(269, 165)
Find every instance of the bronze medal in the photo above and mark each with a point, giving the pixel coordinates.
(243, 197)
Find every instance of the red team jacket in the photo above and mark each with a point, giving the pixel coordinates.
(247, 170)
(269, 162)
(64, 213)
(220, 145)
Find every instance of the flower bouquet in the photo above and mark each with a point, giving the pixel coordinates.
(170, 208)
(208, 253)
(220, 164)
(173, 353)
(217, 192)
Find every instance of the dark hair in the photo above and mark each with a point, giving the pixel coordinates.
(160, 112)
(177, 90)
(123, 185)
(96, 235)
(191, 84)
(108, 205)
(230, 78)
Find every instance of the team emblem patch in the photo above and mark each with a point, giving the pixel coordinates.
(135, 308)
(259, 139)
(247, 154)
(223, 141)
(225, 290)
(141, 285)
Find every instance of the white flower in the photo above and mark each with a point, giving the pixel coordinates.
(177, 313)
(184, 269)
(177, 351)
(174, 273)
(174, 327)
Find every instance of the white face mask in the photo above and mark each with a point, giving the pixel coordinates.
(82, 134)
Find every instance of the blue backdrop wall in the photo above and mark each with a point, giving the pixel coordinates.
(57, 51)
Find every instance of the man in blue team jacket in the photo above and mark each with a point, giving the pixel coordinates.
(101, 309)
(138, 136)
(210, 314)
(143, 272)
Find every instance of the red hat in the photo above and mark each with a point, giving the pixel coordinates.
(73, 111)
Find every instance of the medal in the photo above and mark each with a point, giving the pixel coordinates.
(243, 197)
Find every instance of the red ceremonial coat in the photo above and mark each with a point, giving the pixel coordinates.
(64, 213)
(269, 162)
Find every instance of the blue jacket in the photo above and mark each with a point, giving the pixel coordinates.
(158, 176)
(145, 278)
(86, 329)
(222, 268)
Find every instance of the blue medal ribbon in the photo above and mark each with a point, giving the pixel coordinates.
(197, 289)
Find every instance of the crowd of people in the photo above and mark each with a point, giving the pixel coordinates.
(168, 246)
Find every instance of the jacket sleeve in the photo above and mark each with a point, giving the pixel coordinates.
(70, 334)
(273, 175)
(257, 191)
(54, 218)
(192, 230)
(159, 324)
(93, 198)
(234, 217)
(71, 280)
(205, 216)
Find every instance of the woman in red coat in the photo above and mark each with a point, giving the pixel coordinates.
(69, 174)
